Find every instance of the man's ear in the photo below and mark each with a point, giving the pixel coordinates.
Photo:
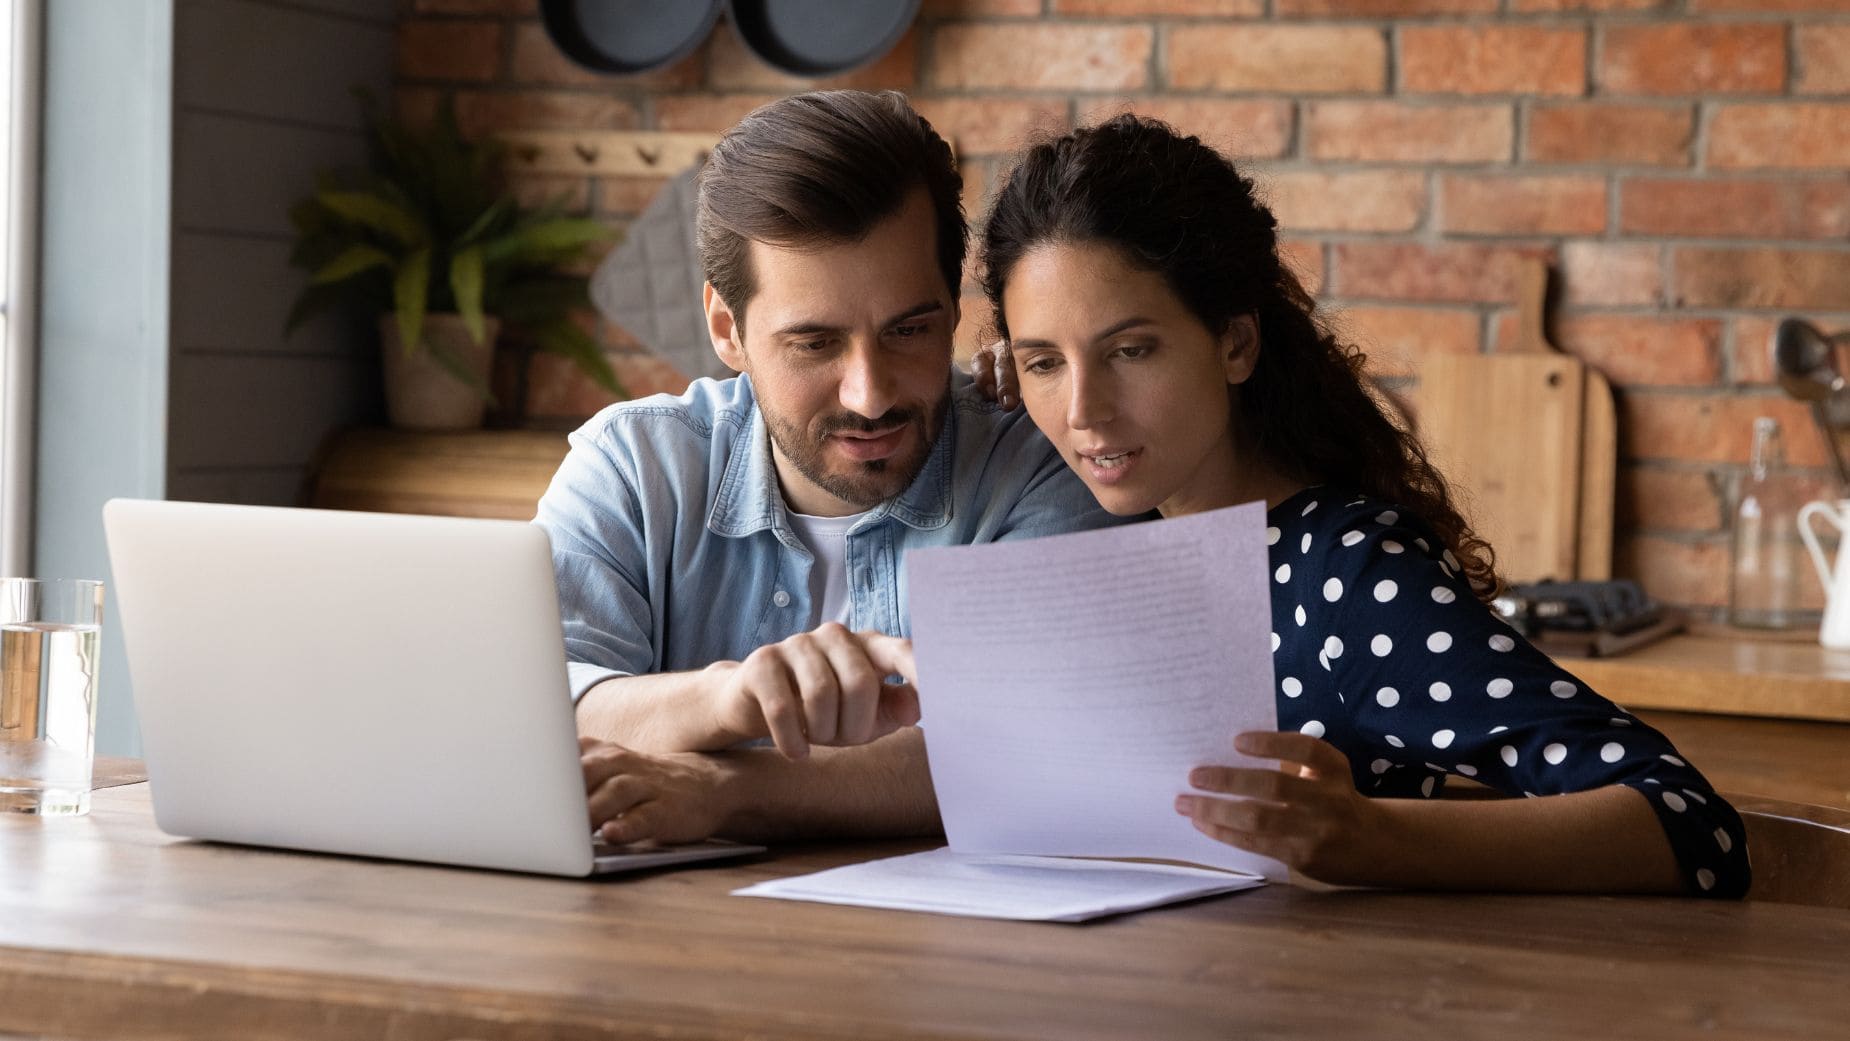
(726, 333)
(1240, 348)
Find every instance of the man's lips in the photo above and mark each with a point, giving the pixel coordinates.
(865, 447)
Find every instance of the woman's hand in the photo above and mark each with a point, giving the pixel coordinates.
(993, 369)
(1307, 814)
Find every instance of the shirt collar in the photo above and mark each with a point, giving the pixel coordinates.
(748, 499)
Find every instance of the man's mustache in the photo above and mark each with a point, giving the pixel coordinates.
(848, 422)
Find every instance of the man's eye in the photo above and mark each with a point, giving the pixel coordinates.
(1040, 365)
(909, 330)
(809, 346)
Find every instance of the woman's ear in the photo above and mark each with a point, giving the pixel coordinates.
(725, 331)
(1240, 348)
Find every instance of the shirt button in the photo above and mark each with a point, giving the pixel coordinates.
(781, 598)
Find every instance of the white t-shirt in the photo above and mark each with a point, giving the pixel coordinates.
(827, 538)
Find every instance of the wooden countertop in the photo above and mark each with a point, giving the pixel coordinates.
(109, 928)
(1730, 671)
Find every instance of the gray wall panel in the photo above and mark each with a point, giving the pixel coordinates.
(232, 293)
(280, 487)
(241, 173)
(257, 411)
(278, 62)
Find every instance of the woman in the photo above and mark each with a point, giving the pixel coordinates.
(1162, 346)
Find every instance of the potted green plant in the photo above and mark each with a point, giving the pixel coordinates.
(430, 238)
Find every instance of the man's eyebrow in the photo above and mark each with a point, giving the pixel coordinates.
(819, 328)
(916, 311)
(806, 329)
(1102, 334)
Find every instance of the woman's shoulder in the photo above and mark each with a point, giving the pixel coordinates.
(1326, 540)
(1331, 517)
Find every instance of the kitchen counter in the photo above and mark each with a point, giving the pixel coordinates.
(1729, 671)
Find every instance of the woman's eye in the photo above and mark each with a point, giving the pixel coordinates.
(1040, 365)
(1133, 350)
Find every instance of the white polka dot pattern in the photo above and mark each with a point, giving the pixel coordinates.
(1359, 557)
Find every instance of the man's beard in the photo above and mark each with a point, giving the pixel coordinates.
(864, 484)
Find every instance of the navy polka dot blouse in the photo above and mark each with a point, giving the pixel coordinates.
(1380, 648)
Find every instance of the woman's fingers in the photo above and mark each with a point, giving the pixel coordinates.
(1319, 755)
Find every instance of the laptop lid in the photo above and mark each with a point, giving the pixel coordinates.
(372, 684)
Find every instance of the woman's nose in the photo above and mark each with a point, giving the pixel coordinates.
(1090, 402)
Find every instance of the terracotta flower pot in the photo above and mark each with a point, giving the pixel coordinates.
(420, 393)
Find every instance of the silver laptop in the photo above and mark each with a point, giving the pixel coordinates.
(370, 684)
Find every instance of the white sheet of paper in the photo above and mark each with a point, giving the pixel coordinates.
(1047, 889)
(1068, 684)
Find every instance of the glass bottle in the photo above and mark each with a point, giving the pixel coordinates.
(1763, 587)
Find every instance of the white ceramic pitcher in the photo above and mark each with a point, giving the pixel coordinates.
(1835, 632)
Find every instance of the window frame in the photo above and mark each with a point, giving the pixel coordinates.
(19, 308)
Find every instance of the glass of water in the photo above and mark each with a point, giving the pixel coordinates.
(50, 640)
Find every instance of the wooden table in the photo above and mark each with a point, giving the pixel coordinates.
(109, 929)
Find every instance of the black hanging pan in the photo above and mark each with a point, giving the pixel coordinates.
(625, 37)
(816, 38)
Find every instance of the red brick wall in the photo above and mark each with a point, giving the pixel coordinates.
(1683, 163)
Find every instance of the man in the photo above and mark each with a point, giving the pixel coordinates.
(731, 562)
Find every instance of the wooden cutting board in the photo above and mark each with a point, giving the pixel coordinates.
(1528, 438)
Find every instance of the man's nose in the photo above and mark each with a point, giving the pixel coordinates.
(867, 382)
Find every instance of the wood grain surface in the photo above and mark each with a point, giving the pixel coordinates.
(110, 929)
(476, 473)
(1729, 671)
(1794, 760)
(1528, 437)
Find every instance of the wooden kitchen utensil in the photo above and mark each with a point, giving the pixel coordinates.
(1528, 436)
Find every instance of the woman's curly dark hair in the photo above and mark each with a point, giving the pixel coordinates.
(1176, 207)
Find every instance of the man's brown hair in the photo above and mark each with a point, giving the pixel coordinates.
(817, 168)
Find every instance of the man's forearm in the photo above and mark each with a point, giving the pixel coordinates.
(880, 789)
(664, 712)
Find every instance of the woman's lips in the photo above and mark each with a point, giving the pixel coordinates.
(867, 448)
(1110, 466)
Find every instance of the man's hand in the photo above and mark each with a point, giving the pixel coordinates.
(825, 687)
(666, 799)
(1308, 815)
(993, 369)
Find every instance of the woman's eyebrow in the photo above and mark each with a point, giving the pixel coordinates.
(1103, 334)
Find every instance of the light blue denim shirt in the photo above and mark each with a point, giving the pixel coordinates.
(673, 548)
